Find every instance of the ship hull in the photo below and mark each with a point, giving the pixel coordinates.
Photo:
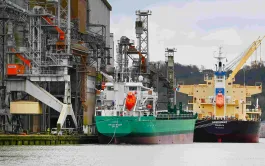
(227, 131)
(165, 139)
(147, 130)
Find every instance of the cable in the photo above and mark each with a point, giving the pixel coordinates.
(114, 131)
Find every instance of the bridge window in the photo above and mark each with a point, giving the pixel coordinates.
(110, 88)
(131, 88)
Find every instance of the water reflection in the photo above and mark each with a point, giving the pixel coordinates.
(126, 155)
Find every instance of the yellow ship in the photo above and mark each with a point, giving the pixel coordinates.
(223, 106)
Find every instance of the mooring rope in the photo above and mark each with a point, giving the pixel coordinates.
(114, 131)
(202, 121)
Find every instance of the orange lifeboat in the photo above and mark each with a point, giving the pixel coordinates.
(220, 100)
(130, 101)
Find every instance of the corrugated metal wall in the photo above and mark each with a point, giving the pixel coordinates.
(100, 14)
(79, 10)
(112, 48)
(110, 68)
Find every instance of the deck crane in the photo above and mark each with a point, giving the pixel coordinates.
(253, 47)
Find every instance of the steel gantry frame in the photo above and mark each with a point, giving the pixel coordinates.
(31, 80)
(46, 64)
(142, 35)
(170, 71)
(9, 12)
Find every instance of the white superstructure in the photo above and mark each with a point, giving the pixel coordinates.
(111, 101)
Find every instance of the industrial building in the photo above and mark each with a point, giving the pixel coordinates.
(50, 54)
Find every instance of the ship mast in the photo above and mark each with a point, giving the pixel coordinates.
(220, 65)
(219, 92)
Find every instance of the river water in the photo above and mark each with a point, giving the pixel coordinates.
(212, 154)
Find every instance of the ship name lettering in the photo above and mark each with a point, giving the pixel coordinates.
(219, 125)
(115, 125)
(219, 122)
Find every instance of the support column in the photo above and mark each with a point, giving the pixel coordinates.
(43, 127)
(89, 112)
(46, 98)
(1, 123)
(36, 123)
(67, 93)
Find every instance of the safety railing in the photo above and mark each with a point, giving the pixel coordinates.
(248, 103)
(175, 116)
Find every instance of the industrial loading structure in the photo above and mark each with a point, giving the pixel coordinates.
(51, 52)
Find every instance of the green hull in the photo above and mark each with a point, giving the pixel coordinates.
(145, 129)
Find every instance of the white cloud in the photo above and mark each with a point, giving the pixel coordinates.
(191, 35)
(226, 37)
(196, 29)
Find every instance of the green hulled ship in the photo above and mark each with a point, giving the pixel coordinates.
(126, 113)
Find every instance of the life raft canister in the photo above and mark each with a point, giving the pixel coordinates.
(130, 101)
(220, 100)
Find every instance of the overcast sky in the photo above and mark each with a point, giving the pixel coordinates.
(195, 27)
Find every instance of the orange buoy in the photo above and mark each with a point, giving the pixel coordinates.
(220, 100)
(130, 101)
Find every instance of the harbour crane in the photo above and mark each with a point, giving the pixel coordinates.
(253, 47)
